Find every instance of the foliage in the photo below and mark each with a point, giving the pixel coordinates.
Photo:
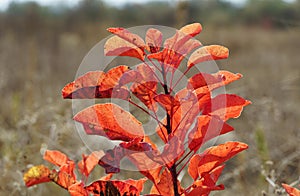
(192, 114)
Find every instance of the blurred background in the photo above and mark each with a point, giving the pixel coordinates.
(42, 45)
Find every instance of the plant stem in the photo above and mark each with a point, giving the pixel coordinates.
(169, 131)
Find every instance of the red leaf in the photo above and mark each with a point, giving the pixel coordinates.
(208, 183)
(55, 157)
(183, 117)
(146, 165)
(178, 46)
(88, 163)
(208, 53)
(206, 128)
(165, 184)
(130, 76)
(146, 92)
(291, 190)
(65, 177)
(208, 82)
(116, 46)
(97, 84)
(36, 175)
(113, 187)
(111, 121)
(78, 189)
(211, 158)
(170, 103)
(112, 158)
(225, 106)
(172, 151)
(153, 40)
(128, 36)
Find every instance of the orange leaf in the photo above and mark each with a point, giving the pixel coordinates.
(225, 106)
(146, 165)
(128, 36)
(208, 53)
(211, 158)
(209, 82)
(165, 185)
(291, 190)
(88, 163)
(97, 84)
(56, 157)
(206, 128)
(153, 40)
(112, 158)
(130, 76)
(113, 187)
(191, 29)
(36, 175)
(146, 92)
(111, 121)
(116, 46)
(65, 177)
(169, 102)
(208, 183)
(183, 117)
(78, 189)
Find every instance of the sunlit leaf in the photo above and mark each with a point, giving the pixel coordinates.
(213, 157)
(65, 177)
(56, 157)
(291, 190)
(36, 175)
(169, 102)
(88, 163)
(128, 36)
(225, 106)
(112, 158)
(208, 82)
(206, 128)
(153, 40)
(111, 121)
(208, 53)
(116, 46)
(112, 188)
(78, 189)
(97, 84)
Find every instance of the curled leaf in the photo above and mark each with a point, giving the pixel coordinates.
(111, 121)
(36, 175)
(208, 53)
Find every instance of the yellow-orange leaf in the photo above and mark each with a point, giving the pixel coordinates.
(208, 53)
(36, 175)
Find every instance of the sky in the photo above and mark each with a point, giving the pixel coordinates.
(5, 3)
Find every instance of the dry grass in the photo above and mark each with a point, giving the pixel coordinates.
(33, 114)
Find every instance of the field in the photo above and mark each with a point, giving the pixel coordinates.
(35, 67)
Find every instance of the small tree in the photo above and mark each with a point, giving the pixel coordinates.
(192, 117)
